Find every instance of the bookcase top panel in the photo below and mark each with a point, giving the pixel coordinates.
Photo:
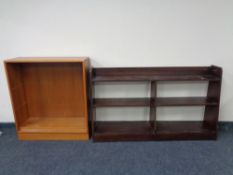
(211, 73)
(45, 59)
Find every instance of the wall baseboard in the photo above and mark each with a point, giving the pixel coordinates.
(225, 126)
(222, 126)
(7, 125)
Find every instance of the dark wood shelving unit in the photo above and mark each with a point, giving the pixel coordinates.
(153, 129)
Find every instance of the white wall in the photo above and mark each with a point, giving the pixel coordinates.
(124, 33)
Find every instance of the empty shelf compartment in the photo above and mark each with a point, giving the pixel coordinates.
(135, 130)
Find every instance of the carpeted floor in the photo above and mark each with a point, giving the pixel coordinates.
(120, 158)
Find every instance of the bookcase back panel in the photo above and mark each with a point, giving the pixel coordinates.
(54, 90)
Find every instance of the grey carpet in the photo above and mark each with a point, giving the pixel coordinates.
(120, 158)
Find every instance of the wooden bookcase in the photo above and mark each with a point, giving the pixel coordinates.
(153, 129)
(49, 97)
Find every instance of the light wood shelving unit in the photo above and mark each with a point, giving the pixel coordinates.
(49, 97)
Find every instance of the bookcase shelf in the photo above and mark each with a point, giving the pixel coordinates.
(153, 129)
(49, 97)
(154, 74)
(157, 78)
(54, 125)
(162, 101)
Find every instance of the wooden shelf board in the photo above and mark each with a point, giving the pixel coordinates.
(162, 101)
(185, 101)
(120, 102)
(54, 125)
(135, 131)
(155, 78)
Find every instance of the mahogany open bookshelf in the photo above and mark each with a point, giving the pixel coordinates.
(153, 129)
(49, 97)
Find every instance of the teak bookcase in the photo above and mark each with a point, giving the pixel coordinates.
(152, 129)
(49, 97)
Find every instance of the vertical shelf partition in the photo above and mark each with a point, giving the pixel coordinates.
(153, 129)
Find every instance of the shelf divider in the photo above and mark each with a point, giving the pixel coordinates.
(153, 109)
